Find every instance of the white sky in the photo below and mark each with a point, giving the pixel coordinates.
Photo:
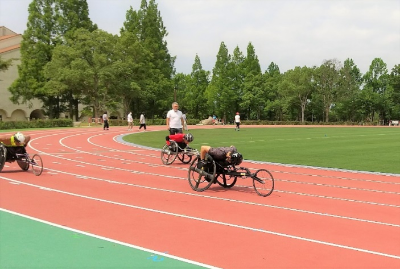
(287, 32)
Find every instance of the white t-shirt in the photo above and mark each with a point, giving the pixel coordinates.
(105, 117)
(130, 118)
(142, 119)
(237, 118)
(174, 118)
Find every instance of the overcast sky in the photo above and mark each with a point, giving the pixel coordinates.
(289, 33)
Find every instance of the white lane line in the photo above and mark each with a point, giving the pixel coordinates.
(223, 199)
(217, 222)
(109, 239)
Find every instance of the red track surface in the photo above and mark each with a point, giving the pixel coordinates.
(315, 218)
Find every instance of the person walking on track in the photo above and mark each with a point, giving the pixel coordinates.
(142, 120)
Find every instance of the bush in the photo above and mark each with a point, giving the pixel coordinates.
(5, 125)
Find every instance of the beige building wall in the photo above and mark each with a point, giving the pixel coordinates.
(10, 49)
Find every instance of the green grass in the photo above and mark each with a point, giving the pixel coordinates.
(366, 149)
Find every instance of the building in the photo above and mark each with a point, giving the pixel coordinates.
(10, 43)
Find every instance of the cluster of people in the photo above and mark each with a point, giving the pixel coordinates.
(142, 121)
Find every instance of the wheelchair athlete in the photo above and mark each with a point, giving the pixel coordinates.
(181, 139)
(223, 155)
(14, 144)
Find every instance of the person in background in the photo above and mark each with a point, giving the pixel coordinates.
(174, 119)
(237, 121)
(130, 121)
(184, 121)
(105, 120)
(142, 120)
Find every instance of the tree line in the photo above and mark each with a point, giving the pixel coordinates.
(66, 61)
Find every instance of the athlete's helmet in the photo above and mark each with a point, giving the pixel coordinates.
(19, 137)
(188, 137)
(236, 158)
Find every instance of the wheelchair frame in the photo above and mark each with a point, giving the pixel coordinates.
(170, 152)
(226, 175)
(24, 161)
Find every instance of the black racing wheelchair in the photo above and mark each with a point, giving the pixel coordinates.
(202, 176)
(24, 160)
(179, 150)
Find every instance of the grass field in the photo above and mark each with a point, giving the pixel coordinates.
(365, 149)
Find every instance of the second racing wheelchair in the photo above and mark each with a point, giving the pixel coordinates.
(176, 146)
(201, 176)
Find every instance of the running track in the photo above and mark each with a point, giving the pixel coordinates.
(315, 218)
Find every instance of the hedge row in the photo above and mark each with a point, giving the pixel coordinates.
(4, 125)
(69, 123)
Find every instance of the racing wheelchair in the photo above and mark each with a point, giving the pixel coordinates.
(179, 150)
(202, 176)
(18, 154)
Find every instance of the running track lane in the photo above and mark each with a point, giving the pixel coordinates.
(218, 243)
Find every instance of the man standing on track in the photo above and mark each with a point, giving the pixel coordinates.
(175, 120)
(142, 120)
(105, 120)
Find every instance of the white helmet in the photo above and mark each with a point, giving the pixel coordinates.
(19, 137)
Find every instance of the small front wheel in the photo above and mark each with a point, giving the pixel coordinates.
(263, 182)
(37, 165)
(201, 177)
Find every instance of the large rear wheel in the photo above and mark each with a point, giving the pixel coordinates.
(263, 182)
(24, 163)
(169, 152)
(226, 181)
(2, 156)
(184, 158)
(201, 178)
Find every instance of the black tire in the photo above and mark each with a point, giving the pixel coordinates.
(226, 181)
(24, 163)
(266, 186)
(184, 158)
(169, 153)
(2, 156)
(37, 164)
(201, 179)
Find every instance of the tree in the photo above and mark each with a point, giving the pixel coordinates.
(198, 82)
(147, 25)
(298, 83)
(133, 63)
(221, 98)
(86, 64)
(48, 22)
(5, 64)
(273, 101)
(350, 80)
(327, 81)
(377, 83)
(395, 84)
(253, 93)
